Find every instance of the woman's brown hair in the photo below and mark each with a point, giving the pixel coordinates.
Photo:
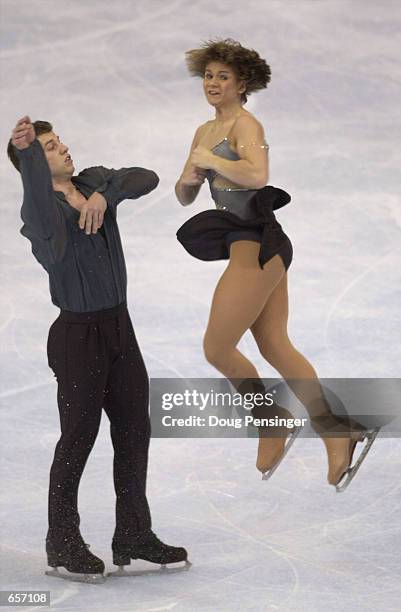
(246, 63)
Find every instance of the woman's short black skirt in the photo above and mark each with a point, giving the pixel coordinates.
(209, 234)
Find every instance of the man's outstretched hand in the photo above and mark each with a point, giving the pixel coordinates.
(23, 134)
(92, 213)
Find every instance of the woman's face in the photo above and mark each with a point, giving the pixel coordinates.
(220, 84)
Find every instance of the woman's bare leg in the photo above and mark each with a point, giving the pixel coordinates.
(270, 333)
(239, 299)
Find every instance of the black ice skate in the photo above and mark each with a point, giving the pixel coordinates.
(349, 474)
(72, 553)
(148, 548)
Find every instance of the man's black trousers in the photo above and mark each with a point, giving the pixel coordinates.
(98, 364)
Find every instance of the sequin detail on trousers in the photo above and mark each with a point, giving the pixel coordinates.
(97, 362)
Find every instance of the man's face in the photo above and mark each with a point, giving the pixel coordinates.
(59, 160)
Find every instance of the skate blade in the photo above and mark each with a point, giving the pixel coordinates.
(290, 441)
(75, 577)
(352, 470)
(163, 569)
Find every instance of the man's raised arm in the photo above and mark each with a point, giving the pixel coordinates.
(38, 211)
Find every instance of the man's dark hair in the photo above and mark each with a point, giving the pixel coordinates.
(40, 127)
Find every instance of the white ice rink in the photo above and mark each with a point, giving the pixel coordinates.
(111, 78)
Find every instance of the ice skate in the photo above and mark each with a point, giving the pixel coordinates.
(148, 548)
(74, 556)
(267, 473)
(349, 474)
(340, 435)
(274, 441)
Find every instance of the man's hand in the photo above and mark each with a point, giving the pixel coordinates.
(92, 213)
(23, 134)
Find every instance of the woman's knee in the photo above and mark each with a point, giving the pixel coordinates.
(272, 347)
(214, 353)
(211, 351)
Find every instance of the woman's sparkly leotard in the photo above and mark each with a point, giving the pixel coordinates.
(235, 200)
(241, 214)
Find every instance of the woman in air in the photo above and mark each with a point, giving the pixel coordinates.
(230, 151)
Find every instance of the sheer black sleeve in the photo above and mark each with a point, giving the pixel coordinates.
(123, 184)
(43, 220)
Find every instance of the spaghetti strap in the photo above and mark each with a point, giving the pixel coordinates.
(228, 135)
(233, 125)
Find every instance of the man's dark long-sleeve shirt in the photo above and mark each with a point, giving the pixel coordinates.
(86, 271)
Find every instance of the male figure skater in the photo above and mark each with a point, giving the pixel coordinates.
(71, 222)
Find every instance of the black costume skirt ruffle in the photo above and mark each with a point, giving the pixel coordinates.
(209, 234)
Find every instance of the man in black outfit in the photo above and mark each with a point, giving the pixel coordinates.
(71, 222)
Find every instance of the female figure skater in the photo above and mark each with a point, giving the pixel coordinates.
(231, 153)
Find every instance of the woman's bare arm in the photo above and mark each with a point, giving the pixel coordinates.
(252, 169)
(192, 177)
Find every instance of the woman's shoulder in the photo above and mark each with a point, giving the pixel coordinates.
(248, 120)
(248, 124)
(204, 126)
(202, 130)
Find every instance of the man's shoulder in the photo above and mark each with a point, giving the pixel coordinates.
(94, 173)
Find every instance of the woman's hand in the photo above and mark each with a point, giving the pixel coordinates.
(193, 176)
(202, 158)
